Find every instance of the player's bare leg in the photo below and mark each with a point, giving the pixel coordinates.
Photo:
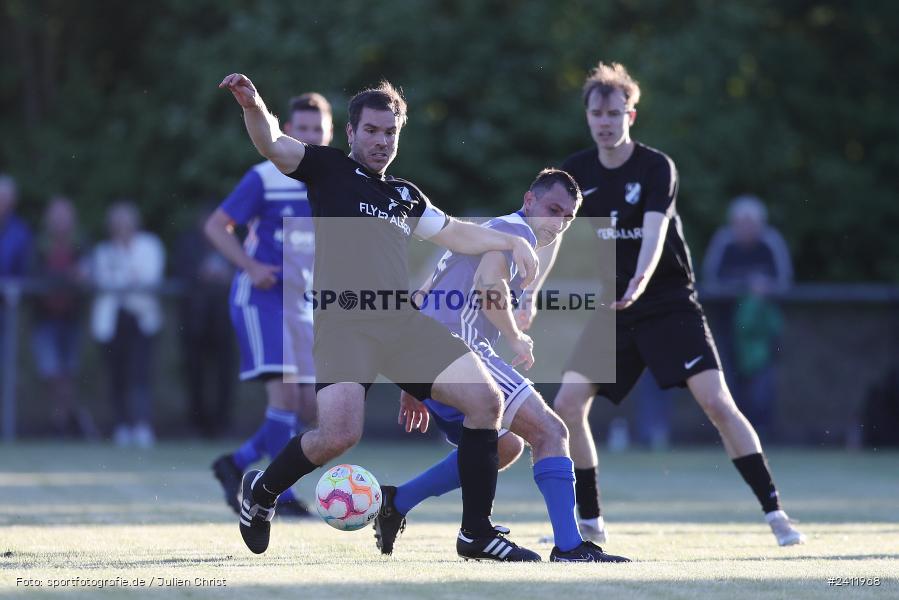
(341, 415)
(737, 434)
(573, 402)
(307, 406)
(541, 428)
(742, 445)
(283, 400)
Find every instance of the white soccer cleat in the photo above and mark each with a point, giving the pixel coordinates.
(783, 529)
(593, 530)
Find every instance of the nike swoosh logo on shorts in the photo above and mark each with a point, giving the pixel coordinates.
(588, 192)
(690, 363)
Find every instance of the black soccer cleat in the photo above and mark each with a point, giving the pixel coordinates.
(255, 519)
(493, 547)
(389, 523)
(229, 476)
(586, 552)
(294, 509)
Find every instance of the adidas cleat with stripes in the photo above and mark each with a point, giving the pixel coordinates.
(493, 547)
(586, 552)
(255, 519)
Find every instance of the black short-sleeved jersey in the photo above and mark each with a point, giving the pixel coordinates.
(646, 182)
(366, 247)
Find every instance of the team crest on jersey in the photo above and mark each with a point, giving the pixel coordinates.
(632, 192)
(404, 194)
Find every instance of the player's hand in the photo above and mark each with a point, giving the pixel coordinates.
(523, 347)
(414, 413)
(525, 313)
(634, 290)
(263, 276)
(526, 260)
(242, 88)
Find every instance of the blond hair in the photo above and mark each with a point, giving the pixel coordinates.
(605, 78)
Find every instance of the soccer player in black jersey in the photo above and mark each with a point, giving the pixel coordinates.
(351, 348)
(658, 320)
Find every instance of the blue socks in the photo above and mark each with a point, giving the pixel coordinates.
(279, 426)
(251, 450)
(441, 478)
(555, 478)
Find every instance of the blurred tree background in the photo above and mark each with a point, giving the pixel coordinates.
(792, 100)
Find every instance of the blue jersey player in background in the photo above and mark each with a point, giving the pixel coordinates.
(489, 284)
(272, 321)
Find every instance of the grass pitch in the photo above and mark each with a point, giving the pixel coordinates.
(156, 519)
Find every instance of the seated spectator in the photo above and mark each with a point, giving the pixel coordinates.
(126, 317)
(749, 258)
(56, 335)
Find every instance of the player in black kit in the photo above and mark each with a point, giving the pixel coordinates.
(366, 249)
(657, 319)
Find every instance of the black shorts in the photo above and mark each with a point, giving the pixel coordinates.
(674, 345)
(409, 349)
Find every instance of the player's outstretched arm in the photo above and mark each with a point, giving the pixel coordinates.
(284, 151)
(468, 238)
(655, 226)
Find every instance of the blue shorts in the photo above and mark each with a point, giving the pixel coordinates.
(515, 388)
(272, 341)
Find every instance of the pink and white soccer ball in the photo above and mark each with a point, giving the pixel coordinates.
(348, 497)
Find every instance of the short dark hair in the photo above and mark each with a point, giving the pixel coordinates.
(547, 178)
(382, 97)
(606, 78)
(309, 102)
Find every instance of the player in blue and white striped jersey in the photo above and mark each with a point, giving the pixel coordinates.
(489, 284)
(271, 318)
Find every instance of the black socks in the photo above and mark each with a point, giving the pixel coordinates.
(284, 471)
(586, 493)
(755, 471)
(478, 465)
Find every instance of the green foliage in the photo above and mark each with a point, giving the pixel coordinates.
(789, 100)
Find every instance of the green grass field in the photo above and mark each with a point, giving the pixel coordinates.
(689, 522)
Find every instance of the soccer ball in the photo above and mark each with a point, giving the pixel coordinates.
(347, 497)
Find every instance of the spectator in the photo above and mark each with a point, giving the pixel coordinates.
(207, 342)
(15, 253)
(15, 236)
(126, 317)
(56, 335)
(749, 259)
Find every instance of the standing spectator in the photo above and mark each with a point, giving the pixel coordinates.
(57, 331)
(749, 259)
(205, 331)
(15, 236)
(126, 317)
(15, 242)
